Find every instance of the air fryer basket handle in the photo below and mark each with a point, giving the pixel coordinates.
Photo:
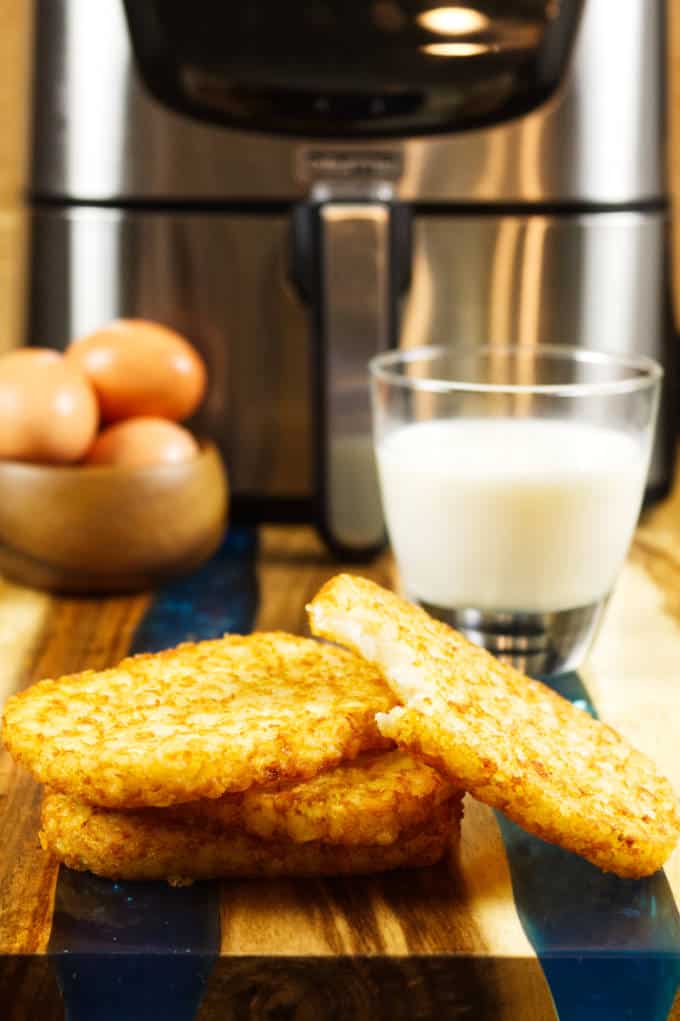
(351, 262)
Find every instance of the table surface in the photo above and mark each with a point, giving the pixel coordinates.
(514, 929)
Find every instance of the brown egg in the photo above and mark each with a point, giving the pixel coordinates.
(48, 409)
(138, 442)
(141, 368)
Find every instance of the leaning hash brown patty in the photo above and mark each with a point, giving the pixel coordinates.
(508, 740)
(131, 845)
(197, 721)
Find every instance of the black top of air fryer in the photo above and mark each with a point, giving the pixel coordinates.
(346, 68)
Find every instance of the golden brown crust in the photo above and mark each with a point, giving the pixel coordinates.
(510, 741)
(198, 721)
(132, 845)
(371, 800)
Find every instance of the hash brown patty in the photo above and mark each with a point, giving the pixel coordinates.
(197, 721)
(371, 800)
(509, 740)
(133, 845)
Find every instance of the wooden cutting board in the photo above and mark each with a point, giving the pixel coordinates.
(512, 929)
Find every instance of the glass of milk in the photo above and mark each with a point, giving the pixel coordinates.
(511, 480)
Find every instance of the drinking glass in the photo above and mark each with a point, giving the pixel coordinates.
(511, 481)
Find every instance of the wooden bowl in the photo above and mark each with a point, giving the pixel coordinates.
(110, 529)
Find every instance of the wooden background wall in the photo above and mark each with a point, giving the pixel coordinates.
(674, 139)
(14, 84)
(14, 91)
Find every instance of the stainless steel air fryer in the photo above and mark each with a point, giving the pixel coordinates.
(330, 210)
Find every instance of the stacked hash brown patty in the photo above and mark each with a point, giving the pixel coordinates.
(244, 756)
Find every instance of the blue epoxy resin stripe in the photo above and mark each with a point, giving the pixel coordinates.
(220, 597)
(609, 947)
(144, 951)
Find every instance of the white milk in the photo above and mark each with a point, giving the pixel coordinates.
(510, 514)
